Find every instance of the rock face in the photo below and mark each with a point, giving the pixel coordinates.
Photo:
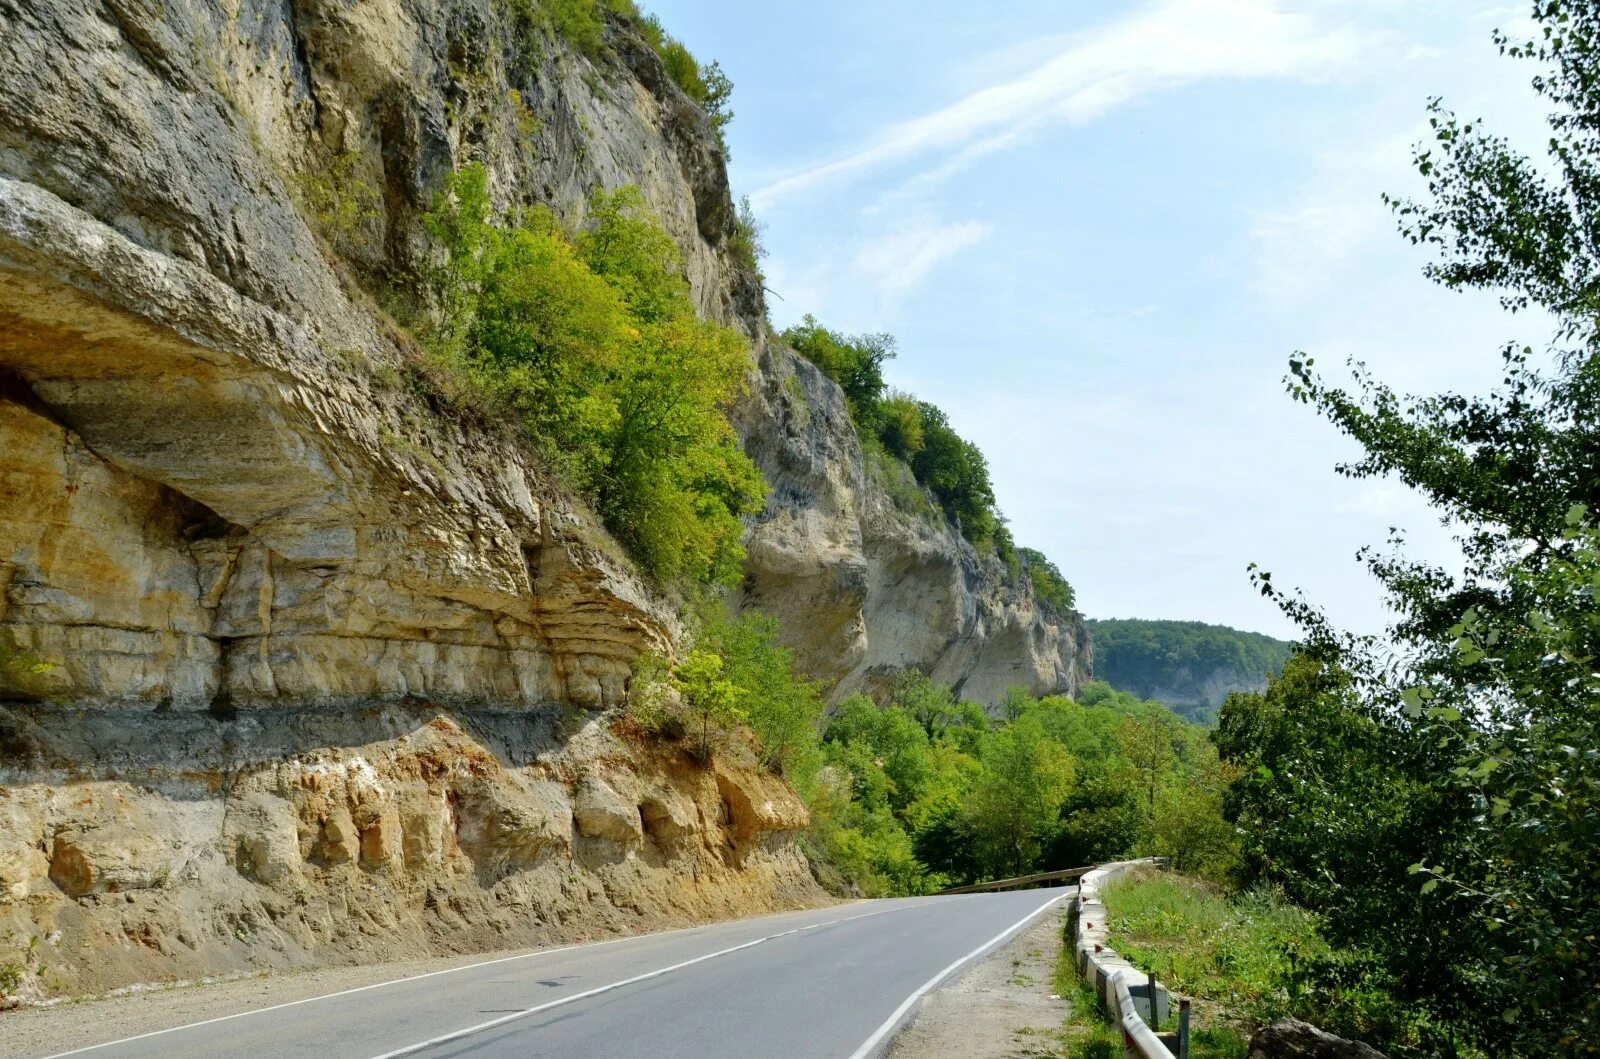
(187, 846)
(866, 585)
(1293, 1039)
(327, 659)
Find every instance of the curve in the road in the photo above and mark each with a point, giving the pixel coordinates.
(801, 984)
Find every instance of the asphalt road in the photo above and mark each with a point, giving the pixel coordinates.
(830, 982)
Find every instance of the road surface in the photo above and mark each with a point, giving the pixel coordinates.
(834, 982)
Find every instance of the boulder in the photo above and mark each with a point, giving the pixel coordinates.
(96, 857)
(1293, 1039)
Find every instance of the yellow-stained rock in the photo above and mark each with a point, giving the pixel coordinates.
(759, 802)
(600, 812)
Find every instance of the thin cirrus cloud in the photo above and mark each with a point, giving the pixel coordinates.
(896, 263)
(1170, 43)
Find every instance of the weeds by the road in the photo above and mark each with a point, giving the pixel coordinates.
(1085, 1034)
(1232, 956)
(1236, 954)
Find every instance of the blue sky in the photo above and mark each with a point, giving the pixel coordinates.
(1100, 230)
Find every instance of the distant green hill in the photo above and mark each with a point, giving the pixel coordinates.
(1187, 665)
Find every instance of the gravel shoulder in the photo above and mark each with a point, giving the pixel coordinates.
(1003, 1007)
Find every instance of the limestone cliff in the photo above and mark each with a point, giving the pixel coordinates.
(866, 586)
(322, 650)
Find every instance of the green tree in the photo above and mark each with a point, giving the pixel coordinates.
(783, 709)
(710, 699)
(594, 344)
(1015, 805)
(955, 469)
(1479, 735)
(1146, 743)
(1049, 586)
(901, 425)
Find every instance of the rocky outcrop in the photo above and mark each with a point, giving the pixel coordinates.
(325, 658)
(1293, 1039)
(867, 576)
(185, 846)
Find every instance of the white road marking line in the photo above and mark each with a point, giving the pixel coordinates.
(415, 978)
(412, 1049)
(893, 1022)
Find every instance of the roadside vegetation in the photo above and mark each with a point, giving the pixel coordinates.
(1234, 954)
(1433, 796)
(923, 791)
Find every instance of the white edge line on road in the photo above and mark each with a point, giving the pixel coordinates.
(412, 1049)
(416, 978)
(893, 1021)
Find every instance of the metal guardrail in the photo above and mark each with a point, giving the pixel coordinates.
(1138, 1039)
(1022, 880)
(1121, 986)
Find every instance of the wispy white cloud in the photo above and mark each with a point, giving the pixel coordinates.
(895, 264)
(1335, 221)
(1170, 43)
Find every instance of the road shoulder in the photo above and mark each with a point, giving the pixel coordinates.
(1003, 1007)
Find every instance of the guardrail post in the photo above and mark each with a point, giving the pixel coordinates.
(1183, 1028)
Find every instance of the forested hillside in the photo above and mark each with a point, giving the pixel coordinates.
(1188, 666)
(923, 790)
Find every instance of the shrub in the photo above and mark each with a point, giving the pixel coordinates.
(595, 345)
(708, 86)
(340, 202)
(782, 708)
(710, 699)
(900, 425)
(745, 245)
(1048, 585)
(581, 23)
(955, 469)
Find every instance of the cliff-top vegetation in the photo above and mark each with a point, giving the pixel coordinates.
(909, 438)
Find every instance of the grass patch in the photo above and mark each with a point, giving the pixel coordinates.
(1087, 1032)
(1235, 956)
(1238, 952)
